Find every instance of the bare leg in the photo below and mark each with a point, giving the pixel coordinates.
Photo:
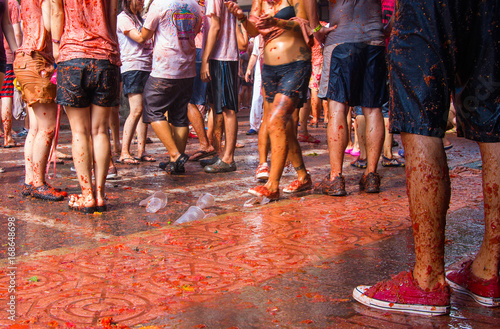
(164, 132)
(101, 149)
(263, 140)
(142, 134)
(114, 124)
(349, 128)
(337, 136)
(487, 262)
(196, 119)
(375, 132)
(280, 112)
(130, 126)
(361, 137)
(28, 147)
(81, 127)
(428, 186)
(218, 123)
(231, 132)
(387, 140)
(315, 107)
(6, 104)
(303, 117)
(46, 124)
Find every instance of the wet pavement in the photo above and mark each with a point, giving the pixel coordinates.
(287, 264)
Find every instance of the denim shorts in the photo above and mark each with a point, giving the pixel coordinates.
(291, 79)
(445, 47)
(85, 81)
(199, 96)
(134, 81)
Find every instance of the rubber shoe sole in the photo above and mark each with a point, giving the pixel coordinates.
(428, 310)
(484, 301)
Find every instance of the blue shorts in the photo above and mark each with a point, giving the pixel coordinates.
(290, 79)
(134, 81)
(444, 47)
(358, 75)
(84, 81)
(199, 87)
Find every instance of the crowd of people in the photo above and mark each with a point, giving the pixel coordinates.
(192, 69)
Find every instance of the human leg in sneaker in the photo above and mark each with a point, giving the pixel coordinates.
(428, 182)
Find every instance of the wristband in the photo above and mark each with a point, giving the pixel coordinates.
(56, 41)
(317, 28)
(243, 19)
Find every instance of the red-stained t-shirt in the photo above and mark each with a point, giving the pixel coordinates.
(15, 18)
(35, 36)
(87, 33)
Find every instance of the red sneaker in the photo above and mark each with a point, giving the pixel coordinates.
(262, 172)
(402, 294)
(485, 292)
(261, 191)
(298, 186)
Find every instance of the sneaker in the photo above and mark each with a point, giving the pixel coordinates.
(359, 163)
(335, 187)
(22, 133)
(112, 173)
(370, 183)
(485, 292)
(402, 294)
(298, 186)
(252, 132)
(262, 172)
(386, 162)
(261, 191)
(289, 169)
(27, 189)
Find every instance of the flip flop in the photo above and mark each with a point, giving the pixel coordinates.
(308, 139)
(447, 147)
(128, 161)
(146, 158)
(200, 154)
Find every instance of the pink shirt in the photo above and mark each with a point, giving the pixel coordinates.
(86, 33)
(15, 18)
(176, 23)
(226, 45)
(36, 37)
(134, 56)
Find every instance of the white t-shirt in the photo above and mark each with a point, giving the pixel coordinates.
(134, 56)
(226, 45)
(176, 23)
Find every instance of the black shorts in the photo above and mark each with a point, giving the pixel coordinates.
(84, 81)
(290, 79)
(162, 96)
(3, 65)
(134, 81)
(222, 89)
(358, 75)
(445, 47)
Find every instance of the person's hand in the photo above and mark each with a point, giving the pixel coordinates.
(321, 34)
(248, 76)
(266, 21)
(234, 9)
(204, 72)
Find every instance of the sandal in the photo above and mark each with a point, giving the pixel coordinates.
(75, 201)
(359, 163)
(177, 167)
(201, 154)
(145, 158)
(298, 186)
(46, 192)
(128, 161)
(386, 162)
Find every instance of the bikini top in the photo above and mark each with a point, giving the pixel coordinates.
(285, 12)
